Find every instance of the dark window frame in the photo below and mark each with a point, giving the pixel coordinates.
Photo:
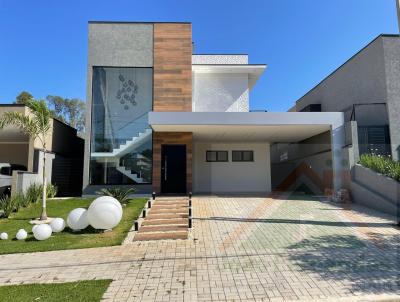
(217, 159)
(242, 157)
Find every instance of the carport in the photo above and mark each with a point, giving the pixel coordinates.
(219, 140)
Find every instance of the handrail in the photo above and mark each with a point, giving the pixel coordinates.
(135, 119)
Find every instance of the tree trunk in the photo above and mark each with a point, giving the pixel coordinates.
(43, 216)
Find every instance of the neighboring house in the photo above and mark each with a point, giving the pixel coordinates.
(65, 155)
(367, 89)
(166, 120)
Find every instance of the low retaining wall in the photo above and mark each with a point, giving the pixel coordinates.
(375, 190)
(22, 179)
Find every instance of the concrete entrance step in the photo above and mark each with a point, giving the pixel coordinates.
(166, 216)
(163, 228)
(165, 221)
(170, 206)
(157, 210)
(172, 203)
(161, 236)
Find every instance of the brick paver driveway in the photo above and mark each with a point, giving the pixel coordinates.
(240, 249)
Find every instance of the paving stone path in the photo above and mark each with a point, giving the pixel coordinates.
(240, 249)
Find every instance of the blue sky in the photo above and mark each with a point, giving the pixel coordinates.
(43, 44)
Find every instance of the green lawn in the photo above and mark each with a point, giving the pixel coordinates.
(82, 291)
(66, 239)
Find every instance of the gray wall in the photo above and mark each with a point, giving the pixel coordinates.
(374, 190)
(314, 151)
(392, 68)
(371, 76)
(114, 45)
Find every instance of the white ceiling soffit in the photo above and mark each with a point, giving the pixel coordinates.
(247, 126)
(240, 133)
(253, 70)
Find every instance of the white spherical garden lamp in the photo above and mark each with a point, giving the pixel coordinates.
(57, 225)
(103, 214)
(21, 234)
(3, 236)
(77, 219)
(34, 227)
(107, 199)
(42, 232)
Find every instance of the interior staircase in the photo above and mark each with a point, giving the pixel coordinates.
(129, 174)
(127, 147)
(168, 218)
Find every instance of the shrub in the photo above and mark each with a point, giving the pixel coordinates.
(19, 201)
(9, 205)
(33, 193)
(51, 191)
(121, 194)
(381, 164)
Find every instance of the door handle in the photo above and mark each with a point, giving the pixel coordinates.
(165, 168)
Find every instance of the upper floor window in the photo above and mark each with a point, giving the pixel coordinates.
(217, 156)
(242, 156)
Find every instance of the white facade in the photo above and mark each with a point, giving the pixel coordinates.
(221, 83)
(220, 92)
(231, 177)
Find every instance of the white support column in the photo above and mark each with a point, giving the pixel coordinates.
(338, 165)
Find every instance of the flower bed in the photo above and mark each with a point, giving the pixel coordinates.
(382, 165)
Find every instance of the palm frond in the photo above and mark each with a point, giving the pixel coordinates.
(41, 114)
(21, 121)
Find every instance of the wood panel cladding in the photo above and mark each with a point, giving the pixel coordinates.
(171, 138)
(172, 67)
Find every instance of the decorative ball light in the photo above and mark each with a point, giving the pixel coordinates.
(34, 227)
(57, 225)
(78, 219)
(108, 199)
(105, 213)
(3, 236)
(42, 232)
(21, 234)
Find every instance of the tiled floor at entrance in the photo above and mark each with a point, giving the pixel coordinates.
(167, 219)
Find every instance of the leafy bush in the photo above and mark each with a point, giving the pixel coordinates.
(33, 193)
(19, 201)
(381, 164)
(121, 194)
(9, 205)
(51, 191)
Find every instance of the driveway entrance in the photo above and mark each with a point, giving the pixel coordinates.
(240, 249)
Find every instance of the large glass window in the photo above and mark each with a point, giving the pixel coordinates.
(121, 139)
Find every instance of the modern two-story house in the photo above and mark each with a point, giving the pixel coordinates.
(166, 120)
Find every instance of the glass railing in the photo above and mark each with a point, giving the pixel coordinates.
(122, 134)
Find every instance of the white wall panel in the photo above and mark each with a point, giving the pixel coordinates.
(231, 177)
(220, 92)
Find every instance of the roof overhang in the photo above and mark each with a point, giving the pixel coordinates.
(254, 71)
(247, 126)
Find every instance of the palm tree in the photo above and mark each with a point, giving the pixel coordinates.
(37, 125)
